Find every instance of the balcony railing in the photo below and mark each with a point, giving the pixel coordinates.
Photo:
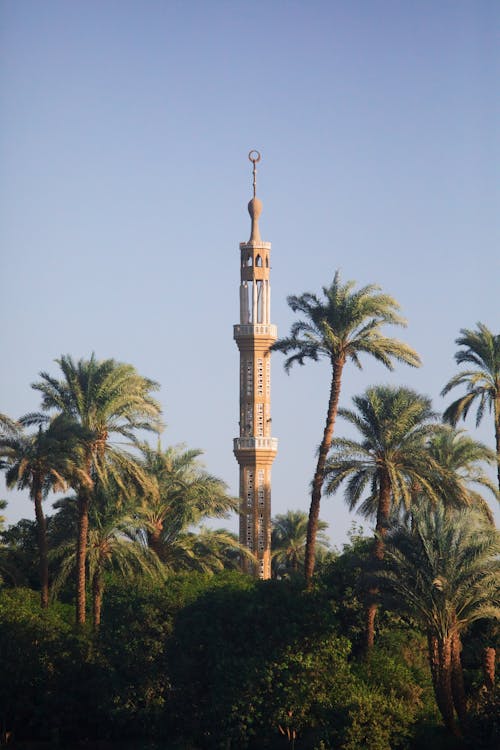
(257, 329)
(258, 443)
(256, 245)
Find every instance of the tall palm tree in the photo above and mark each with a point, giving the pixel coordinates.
(288, 541)
(107, 398)
(340, 327)
(482, 351)
(42, 461)
(182, 494)
(383, 469)
(444, 571)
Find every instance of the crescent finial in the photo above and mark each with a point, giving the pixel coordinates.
(254, 157)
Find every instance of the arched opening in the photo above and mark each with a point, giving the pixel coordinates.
(267, 262)
(249, 261)
(258, 261)
(260, 302)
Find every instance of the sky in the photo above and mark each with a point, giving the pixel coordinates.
(124, 136)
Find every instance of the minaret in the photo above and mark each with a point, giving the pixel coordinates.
(255, 449)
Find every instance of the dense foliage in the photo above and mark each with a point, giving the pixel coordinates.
(225, 661)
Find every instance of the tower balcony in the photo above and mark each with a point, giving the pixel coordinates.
(256, 443)
(255, 245)
(255, 329)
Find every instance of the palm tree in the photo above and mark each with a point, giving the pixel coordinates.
(460, 459)
(42, 461)
(205, 550)
(482, 351)
(444, 571)
(106, 398)
(288, 541)
(341, 327)
(110, 547)
(463, 456)
(182, 494)
(382, 471)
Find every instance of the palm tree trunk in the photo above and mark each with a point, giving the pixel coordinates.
(432, 645)
(83, 503)
(497, 434)
(154, 540)
(440, 664)
(81, 555)
(489, 658)
(97, 594)
(383, 514)
(444, 694)
(371, 612)
(319, 475)
(41, 525)
(457, 679)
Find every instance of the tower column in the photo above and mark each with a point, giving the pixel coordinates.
(255, 449)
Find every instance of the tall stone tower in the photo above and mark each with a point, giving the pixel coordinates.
(255, 449)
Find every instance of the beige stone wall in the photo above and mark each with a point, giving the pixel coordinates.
(255, 449)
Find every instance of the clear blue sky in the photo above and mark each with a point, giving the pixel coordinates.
(124, 135)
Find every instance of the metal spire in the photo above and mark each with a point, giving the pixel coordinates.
(254, 157)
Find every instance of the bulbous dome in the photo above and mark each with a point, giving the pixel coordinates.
(255, 210)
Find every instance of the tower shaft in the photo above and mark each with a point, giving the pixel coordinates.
(255, 449)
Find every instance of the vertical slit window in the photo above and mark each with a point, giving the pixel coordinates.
(249, 419)
(260, 488)
(260, 377)
(249, 377)
(260, 420)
